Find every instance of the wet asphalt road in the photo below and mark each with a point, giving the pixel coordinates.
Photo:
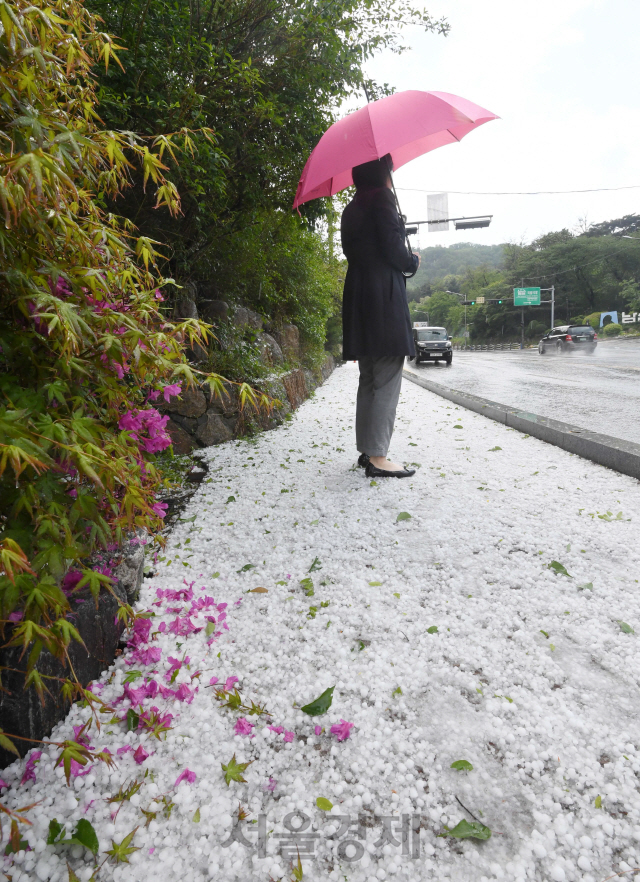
(599, 392)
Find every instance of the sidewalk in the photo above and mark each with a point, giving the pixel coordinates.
(529, 676)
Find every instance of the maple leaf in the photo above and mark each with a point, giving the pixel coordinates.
(233, 770)
(121, 851)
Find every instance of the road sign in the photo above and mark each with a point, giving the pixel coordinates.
(526, 296)
(479, 299)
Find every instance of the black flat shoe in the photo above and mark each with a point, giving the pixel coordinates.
(363, 460)
(374, 472)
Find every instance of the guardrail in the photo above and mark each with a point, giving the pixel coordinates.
(487, 347)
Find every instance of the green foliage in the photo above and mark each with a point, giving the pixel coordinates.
(319, 705)
(594, 272)
(403, 516)
(325, 805)
(433, 629)
(612, 330)
(462, 766)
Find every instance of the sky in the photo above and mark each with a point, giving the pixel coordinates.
(563, 77)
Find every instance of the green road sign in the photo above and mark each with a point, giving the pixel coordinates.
(526, 296)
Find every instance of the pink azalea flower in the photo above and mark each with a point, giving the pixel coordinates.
(3, 783)
(270, 785)
(213, 681)
(243, 727)
(173, 389)
(122, 750)
(140, 755)
(15, 616)
(342, 730)
(154, 395)
(289, 736)
(158, 296)
(29, 773)
(187, 776)
(277, 729)
(160, 509)
(318, 730)
(230, 683)
(162, 627)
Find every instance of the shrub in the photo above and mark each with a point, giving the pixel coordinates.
(612, 330)
(593, 320)
(85, 351)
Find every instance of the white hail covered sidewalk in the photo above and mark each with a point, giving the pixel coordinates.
(447, 636)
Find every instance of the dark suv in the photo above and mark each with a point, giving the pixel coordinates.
(432, 344)
(569, 338)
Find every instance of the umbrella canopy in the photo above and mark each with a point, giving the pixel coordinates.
(406, 125)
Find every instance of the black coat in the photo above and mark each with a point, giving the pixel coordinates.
(375, 312)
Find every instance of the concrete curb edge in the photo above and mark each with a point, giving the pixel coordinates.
(614, 453)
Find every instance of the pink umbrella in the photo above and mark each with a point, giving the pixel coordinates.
(406, 125)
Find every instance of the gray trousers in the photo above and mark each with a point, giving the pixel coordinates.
(378, 393)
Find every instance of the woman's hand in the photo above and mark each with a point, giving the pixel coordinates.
(418, 256)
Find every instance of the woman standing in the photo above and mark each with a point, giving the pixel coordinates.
(375, 313)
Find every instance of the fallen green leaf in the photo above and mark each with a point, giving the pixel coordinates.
(462, 766)
(233, 771)
(319, 705)
(432, 630)
(403, 516)
(468, 830)
(325, 805)
(627, 629)
(558, 568)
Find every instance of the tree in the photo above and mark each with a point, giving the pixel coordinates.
(266, 77)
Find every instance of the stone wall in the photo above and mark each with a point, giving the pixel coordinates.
(197, 419)
(21, 711)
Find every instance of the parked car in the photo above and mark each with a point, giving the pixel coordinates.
(569, 338)
(432, 344)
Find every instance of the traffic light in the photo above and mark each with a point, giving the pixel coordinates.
(499, 301)
(473, 303)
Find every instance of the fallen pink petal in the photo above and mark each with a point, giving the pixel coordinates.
(342, 730)
(187, 776)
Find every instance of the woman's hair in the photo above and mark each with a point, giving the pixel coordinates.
(373, 174)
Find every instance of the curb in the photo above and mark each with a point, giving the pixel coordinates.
(614, 453)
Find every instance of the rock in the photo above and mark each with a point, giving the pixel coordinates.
(270, 352)
(129, 572)
(215, 311)
(227, 404)
(296, 387)
(289, 339)
(246, 318)
(213, 429)
(311, 380)
(191, 403)
(182, 442)
(185, 308)
(327, 367)
(197, 352)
